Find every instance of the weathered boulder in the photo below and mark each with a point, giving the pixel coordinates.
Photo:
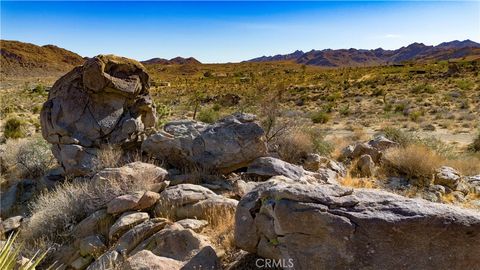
(105, 101)
(136, 201)
(125, 222)
(315, 162)
(266, 167)
(145, 259)
(374, 148)
(332, 227)
(206, 258)
(192, 201)
(127, 242)
(93, 245)
(366, 166)
(195, 225)
(447, 176)
(227, 145)
(15, 199)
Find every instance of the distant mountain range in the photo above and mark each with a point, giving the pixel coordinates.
(19, 59)
(358, 57)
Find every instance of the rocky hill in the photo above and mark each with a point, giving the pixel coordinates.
(19, 59)
(357, 57)
(174, 61)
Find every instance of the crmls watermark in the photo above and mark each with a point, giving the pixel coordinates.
(272, 263)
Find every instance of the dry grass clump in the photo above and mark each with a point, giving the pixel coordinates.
(55, 213)
(417, 162)
(467, 164)
(355, 182)
(221, 228)
(294, 145)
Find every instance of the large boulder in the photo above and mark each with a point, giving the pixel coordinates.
(104, 102)
(311, 226)
(224, 146)
(266, 167)
(192, 201)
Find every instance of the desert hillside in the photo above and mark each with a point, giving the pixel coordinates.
(19, 59)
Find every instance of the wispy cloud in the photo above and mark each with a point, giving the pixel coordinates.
(392, 36)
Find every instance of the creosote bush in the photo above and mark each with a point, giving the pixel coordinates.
(208, 115)
(320, 117)
(15, 128)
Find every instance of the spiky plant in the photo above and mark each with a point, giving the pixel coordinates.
(9, 253)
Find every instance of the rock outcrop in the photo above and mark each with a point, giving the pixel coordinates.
(227, 145)
(104, 102)
(308, 226)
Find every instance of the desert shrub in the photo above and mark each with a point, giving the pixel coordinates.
(39, 89)
(398, 136)
(465, 84)
(423, 88)
(320, 145)
(475, 146)
(408, 138)
(27, 158)
(320, 117)
(415, 115)
(294, 146)
(208, 115)
(417, 162)
(467, 164)
(55, 213)
(163, 112)
(15, 128)
(34, 158)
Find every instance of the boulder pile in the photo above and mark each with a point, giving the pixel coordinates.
(132, 231)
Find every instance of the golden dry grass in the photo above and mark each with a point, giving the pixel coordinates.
(417, 162)
(355, 182)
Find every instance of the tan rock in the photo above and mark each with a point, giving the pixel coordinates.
(92, 245)
(145, 259)
(126, 222)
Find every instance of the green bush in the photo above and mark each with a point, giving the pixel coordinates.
(163, 112)
(208, 115)
(320, 117)
(423, 88)
(15, 128)
(475, 146)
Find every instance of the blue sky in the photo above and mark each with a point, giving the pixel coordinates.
(235, 31)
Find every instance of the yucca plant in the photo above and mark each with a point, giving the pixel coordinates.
(10, 252)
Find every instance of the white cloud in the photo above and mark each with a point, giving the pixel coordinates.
(392, 36)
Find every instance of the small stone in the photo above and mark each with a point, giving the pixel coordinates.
(12, 223)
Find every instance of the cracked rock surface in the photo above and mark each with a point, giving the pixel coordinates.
(225, 146)
(333, 227)
(104, 102)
